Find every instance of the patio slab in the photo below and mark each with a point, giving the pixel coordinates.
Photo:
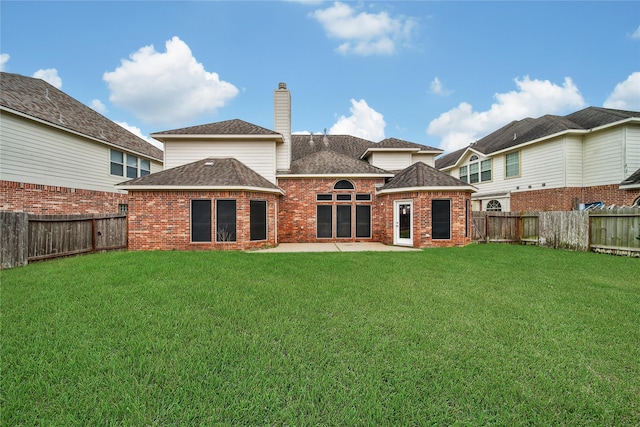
(336, 247)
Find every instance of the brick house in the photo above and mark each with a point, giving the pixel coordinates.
(554, 163)
(58, 156)
(236, 185)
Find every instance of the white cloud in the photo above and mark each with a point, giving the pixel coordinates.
(636, 34)
(4, 58)
(167, 88)
(534, 98)
(98, 106)
(364, 33)
(137, 132)
(50, 75)
(626, 95)
(364, 122)
(437, 88)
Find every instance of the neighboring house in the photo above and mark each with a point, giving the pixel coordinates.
(552, 163)
(235, 185)
(58, 156)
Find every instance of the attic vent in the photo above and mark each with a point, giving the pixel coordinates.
(60, 118)
(311, 140)
(325, 140)
(46, 94)
(208, 163)
(515, 135)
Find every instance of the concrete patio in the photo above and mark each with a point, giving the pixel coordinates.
(336, 247)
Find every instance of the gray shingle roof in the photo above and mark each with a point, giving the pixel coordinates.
(422, 175)
(327, 162)
(303, 145)
(633, 179)
(399, 143)
(525, 130)
(40, 100)
(210, 172)
(226, 127)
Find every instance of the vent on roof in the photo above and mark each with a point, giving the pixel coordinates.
(311, 139)
(208, 163)
(282, 85)
(325, 140)
(46, 94)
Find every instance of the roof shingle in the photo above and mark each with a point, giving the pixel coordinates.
(422, 175)
(226, 127)
(38, 99)
(328, 162)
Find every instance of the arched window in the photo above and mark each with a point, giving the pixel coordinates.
(494, 206)
(343, 185)
(637, 203)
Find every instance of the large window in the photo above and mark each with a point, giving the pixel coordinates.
(363, 221)
(476, 171)
(226, 221)
(512, 165)
(201, 220)
(324, 221)
(122, 164)
(258, 219)
(343, 221)
(441, 218)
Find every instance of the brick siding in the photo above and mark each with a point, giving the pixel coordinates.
(566, 199)
(51, 200)
(161, 220)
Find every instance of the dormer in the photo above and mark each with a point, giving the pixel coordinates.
(396, 154)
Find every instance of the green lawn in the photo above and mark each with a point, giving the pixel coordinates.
(482, 335)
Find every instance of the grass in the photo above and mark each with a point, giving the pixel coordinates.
(482, 335)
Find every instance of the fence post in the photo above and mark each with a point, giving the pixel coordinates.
(14, 239)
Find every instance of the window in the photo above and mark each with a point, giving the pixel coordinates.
(494, 206)
(363, 221)
(145, 167)
(343, 197)
(324, 197)
(200, 220)
(485, 170)
(323, 221)
(123, 208)
(636, 203)
(258, 219)
(512, 165)
(343, 185)
(441, 217)
(473, 173)
(464, 174)
(132, 166)
(363, 196)
(117, 163)
(226, 221)
(343, 221)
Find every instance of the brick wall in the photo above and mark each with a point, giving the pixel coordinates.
(161, 220)
(297, 215)
(422, 218)
(564, 199)
(50, 200)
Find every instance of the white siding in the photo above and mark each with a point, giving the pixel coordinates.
(604, 157)
(35, 153)
(573, 161)
(633, 149)
(391, 160)
(428, 159)
(257, 155)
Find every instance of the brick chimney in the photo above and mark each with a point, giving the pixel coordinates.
(282, 124)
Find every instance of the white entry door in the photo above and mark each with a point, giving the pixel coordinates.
(403, 222)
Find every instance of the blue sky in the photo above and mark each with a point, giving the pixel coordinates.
(437, 73)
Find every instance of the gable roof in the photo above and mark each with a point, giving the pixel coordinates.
(400, 143)
(527, 130)
(38, 100)
(211, 174)
(329, 162)
(420, 176)
(226, 127)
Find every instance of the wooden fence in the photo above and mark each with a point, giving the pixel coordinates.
(25, 237)
(611, 230)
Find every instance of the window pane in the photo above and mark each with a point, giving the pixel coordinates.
(363, 196)
(116, 156)
(441, 214)
(145, 167)
(512, 164)
(116, 169)
(463, 174)
(363, 221)
(226, 221)
(258, 219)
(473, 173)
(343, 221)
(324, 197)
(343, 185)
(201, 220)
(485, 170)
(343, 197)
(323, 221)
(132, 166)
(494, 205)
(117, 163)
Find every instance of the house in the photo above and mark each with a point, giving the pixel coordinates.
(236, 185)
(58, 156)
(551, 163)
